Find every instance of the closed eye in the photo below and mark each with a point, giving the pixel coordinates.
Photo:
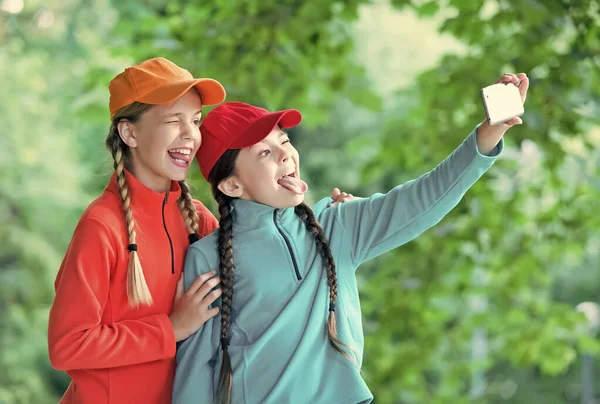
(286, 141)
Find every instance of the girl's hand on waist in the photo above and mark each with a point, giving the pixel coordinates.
(192, 308)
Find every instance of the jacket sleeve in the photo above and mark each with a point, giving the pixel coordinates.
(197, 355)
(207, 222)
(76, 337)
(383, 222)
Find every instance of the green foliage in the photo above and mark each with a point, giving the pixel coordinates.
(478, 309)
(524, 229)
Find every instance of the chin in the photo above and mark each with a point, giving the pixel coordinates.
(177, 176)
(296, 200)
(299, 199)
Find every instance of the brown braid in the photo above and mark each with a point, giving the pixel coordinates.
(188, 209)
(222, 170)
(227, 272)
(312, 225)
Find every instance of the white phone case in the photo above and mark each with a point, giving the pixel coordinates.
(502, 102)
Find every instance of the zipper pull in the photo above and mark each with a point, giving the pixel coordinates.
(166, 196)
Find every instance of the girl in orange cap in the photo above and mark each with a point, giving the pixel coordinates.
(120, 308)
(115, 322)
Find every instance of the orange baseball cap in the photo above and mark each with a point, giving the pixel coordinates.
(159, 81)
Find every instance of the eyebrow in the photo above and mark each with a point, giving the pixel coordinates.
(179, 114)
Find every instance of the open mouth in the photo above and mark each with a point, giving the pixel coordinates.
(292, 174)
(181, 157)
(293, 184)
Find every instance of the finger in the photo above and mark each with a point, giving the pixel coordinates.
(514, 121)
(199, 281)
(334, 203)
(179, 289)
(505, 78)
(211, 297)
(335, 194)
(207, 287)
(524, 86)
(211, 313)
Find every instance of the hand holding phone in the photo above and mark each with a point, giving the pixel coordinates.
(502, 102)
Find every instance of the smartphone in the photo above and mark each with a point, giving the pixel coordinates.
(502, 102)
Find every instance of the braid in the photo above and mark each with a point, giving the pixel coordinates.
(137, 289)
(227, 272)
(312, 225)
(188, 210)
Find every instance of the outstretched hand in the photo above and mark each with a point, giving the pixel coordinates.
(489, 136)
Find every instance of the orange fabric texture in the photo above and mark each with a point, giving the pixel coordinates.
(113, 353)
(159, 81)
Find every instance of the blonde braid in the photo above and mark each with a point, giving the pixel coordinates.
(188, 209)
(137, 288)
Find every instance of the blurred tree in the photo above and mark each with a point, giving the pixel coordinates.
(477, 296)
(46, 50)
(498, 280)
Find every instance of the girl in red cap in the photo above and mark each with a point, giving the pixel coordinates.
(289, 329)
(120, 308)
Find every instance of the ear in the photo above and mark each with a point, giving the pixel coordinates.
(231, 187)
(127, 133)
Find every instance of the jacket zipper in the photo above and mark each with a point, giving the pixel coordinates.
(289, 246)
(167, 231)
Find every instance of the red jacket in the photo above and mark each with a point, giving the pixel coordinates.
(115, 354)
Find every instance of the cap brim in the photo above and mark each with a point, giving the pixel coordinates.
(260, 129)
(211, 92)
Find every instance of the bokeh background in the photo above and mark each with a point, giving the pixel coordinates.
(498, 303)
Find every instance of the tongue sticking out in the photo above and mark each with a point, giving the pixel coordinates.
(293, 184)
(179, 156)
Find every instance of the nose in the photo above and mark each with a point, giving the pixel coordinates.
(285, 154)
(190, 131)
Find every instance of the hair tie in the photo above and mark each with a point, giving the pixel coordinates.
(132, 247)
(331, 306)
(193, 237)
(224, 343)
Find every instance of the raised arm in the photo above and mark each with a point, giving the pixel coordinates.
(382, 222)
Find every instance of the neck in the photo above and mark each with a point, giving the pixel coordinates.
(150, 180)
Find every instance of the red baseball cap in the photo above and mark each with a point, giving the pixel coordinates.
(235, 125)
(159, 81)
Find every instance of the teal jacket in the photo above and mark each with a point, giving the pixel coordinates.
(279, 346)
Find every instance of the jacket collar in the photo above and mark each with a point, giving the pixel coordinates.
(252, 215)
(143, 197)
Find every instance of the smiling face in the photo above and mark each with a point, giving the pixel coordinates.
(268, 172)
(164, 140)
